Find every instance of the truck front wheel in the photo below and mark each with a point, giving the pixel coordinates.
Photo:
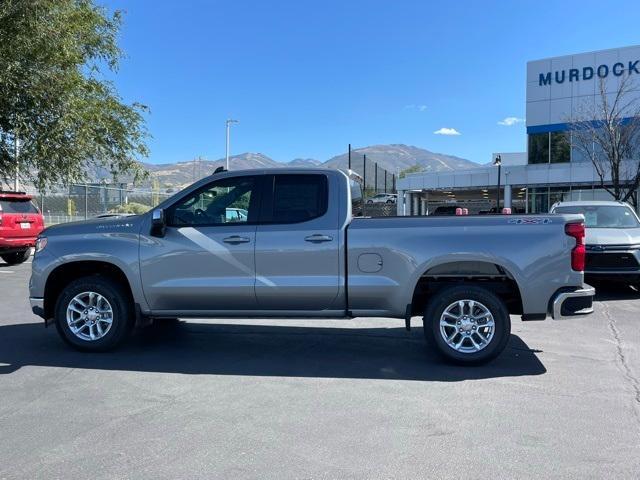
(467, 324)
(94, 314)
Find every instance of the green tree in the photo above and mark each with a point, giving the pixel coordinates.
(54, 95)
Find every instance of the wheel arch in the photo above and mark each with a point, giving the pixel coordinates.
(484, 273)
(63, 274)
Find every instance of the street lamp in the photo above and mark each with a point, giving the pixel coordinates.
(229, 122)
(498, 163)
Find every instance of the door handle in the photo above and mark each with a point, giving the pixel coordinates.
(235, 239)
(318, 238)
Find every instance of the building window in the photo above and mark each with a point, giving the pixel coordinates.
(539, 200)
(560, 147)
(558, 194)
(538, 148)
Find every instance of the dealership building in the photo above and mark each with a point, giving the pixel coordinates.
(559, 90)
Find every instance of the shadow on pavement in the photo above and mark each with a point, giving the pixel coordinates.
(260, 350)
(612, 291)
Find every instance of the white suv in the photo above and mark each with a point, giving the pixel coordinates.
(383, 198)
(612, 239)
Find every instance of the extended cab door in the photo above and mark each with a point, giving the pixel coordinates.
(297, 244)
(205, 260)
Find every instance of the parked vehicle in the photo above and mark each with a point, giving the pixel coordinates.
(612, 239)
(445, 210)
(236, 214)
(301, 253)
(383, 198)
(20, 224)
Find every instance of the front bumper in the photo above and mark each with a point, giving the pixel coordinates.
(37, 306)
(570, 303)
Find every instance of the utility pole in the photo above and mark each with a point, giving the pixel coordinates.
(16, 183)
(349, 156)
(375, 176)
(385, 181)
(364, 177)
(229, 122)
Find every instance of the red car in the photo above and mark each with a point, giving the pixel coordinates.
(20, 224)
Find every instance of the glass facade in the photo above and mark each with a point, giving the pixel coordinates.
(540, 199)
(560, 147)
(553, 147)
(538, 151)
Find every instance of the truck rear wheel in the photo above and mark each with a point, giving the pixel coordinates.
(16, 257)
(94, 314)
(467, 324)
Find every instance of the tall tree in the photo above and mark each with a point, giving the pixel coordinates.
(55, 103)
(607, 132)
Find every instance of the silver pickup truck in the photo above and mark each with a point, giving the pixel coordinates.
(301, 250)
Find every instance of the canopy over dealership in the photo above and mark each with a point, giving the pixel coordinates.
(559, 91)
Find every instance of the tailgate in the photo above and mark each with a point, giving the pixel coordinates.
(18, 226)
(19, 219)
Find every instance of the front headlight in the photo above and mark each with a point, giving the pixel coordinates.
(41, 242)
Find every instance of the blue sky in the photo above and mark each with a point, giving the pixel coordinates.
(305, 78)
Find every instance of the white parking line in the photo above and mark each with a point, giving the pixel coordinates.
(7, 271)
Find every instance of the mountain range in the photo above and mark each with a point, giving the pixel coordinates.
(393, 158)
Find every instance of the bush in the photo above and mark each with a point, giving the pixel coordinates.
(131, 207)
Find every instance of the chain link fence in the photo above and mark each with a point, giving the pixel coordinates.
(83, 201)
(376, 182)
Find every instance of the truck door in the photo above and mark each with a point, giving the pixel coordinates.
(297, 244)
(205, 261)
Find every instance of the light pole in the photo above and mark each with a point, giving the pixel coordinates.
(16, 181)
(498, 163)
(229, 122)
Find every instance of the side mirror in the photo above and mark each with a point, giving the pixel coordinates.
(158, 223)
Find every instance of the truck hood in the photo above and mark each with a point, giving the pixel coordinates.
(612, 236)
(129, 224)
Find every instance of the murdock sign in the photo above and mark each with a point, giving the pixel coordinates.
(587, 73)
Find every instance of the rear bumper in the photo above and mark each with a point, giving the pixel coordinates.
(9, 244)
(571, 303)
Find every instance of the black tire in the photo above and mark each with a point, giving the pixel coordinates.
(390, 201)
(369, 202)
(496, 307)
(16, 257)
(121, 305)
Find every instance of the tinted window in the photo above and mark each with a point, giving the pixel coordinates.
(225, 201)
(298, 198)
(601, 216)
(17, 206)
(539, 148)
(560, 147)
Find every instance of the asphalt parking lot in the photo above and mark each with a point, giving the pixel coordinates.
(319, 400)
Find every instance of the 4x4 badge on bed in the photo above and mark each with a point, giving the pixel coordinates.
(530, 221)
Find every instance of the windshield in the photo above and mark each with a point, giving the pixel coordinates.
(603, 216)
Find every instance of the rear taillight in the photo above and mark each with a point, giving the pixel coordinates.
(578, 253)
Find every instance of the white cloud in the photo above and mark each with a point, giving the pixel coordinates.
(420, 108)
(510, 121)
(447, 131)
